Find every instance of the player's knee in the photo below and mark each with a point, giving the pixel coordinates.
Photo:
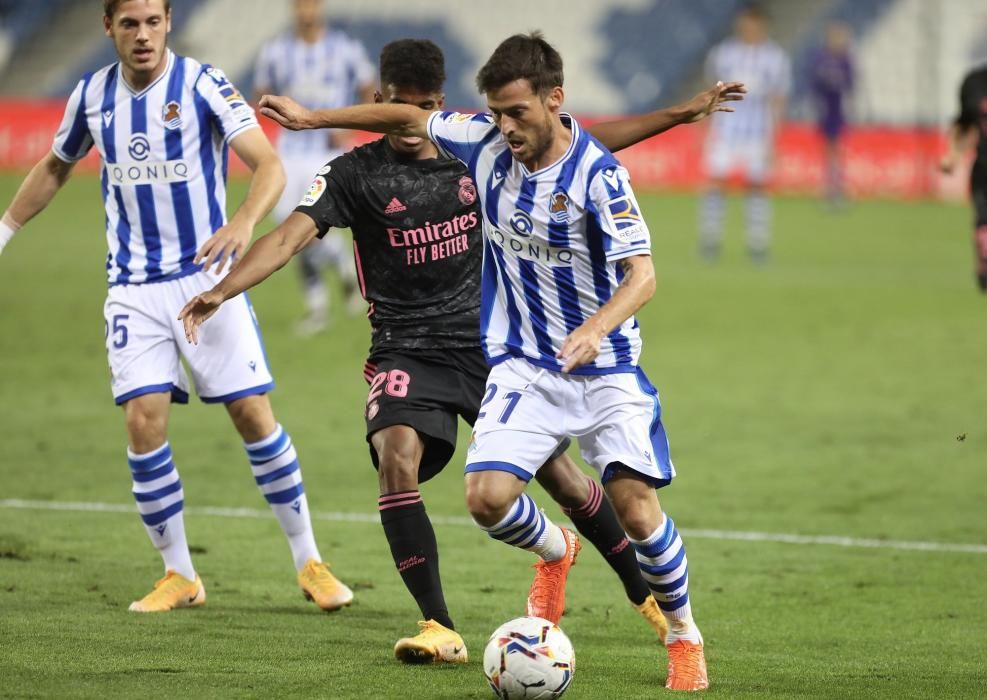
(487, 505)
(566, 484)
(146, 428)
(253, 417)
(397, 469)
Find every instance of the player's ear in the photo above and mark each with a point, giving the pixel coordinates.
(108, 26)
(555, 98)
(441, 102)
(168, 21)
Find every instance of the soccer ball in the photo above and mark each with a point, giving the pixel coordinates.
(529, 658)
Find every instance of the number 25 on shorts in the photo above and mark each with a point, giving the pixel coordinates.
(511, 397)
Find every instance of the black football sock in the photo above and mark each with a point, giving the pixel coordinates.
(596, 521)
(416, 555)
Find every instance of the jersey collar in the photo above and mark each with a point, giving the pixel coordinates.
(567, 120)
(169, 57)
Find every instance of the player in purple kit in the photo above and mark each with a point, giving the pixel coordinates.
(969, 131)
(832, 83)
(416, 225)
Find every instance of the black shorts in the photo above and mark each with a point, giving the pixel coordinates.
(426, 390)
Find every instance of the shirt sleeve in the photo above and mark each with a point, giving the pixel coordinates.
(73, 139)
(363, 68)
(458, 135)
(618, 215)
(782, 83)
(264, 77)
(711, 69)
(230, 113)
(330, 200)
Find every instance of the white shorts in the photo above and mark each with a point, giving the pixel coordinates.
(300, 171)
(528, 411)
(750, 157)
(145, 341)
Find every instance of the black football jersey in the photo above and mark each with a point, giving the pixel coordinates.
(973, 112)
(417, 243)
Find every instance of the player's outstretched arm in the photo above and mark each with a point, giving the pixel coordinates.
(638, 286)
(401, 120)
(266, 184)
(620, 134)
(38, 189)
(268, 255)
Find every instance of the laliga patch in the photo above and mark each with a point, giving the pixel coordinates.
(314, 192)
(624, 217)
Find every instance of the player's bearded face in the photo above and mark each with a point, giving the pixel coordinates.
(139, 30)
(524, 118)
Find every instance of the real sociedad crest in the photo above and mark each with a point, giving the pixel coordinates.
(171, 115)
(558, 208)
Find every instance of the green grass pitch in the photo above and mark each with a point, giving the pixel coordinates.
(838, 391)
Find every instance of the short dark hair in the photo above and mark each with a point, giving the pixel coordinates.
(522, 57)
(755, 11)
(413, 63)
(110, 7)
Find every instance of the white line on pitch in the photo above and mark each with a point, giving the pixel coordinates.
(785, 538)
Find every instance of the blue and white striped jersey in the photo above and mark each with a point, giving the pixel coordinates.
(322, 75)
(767, 72)
(164, 152)
(552, 239)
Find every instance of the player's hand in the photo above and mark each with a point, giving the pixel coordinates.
(228, 243)
(286, 112)
(581, 346)
(197, 311)
(716, 99)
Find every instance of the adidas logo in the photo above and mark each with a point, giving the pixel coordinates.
(395, 207)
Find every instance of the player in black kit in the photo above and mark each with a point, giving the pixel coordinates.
(418, 251)
(969, 129)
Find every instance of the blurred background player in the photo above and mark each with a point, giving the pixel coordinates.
(426, 366)
(319, 67)
(162, 124)
(832, 82)
(744, 143)
(968, 131)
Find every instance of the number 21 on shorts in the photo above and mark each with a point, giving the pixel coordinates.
(511, 397)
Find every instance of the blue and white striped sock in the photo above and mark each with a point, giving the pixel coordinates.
(666, 569)
(276, 471)
(528, 528)
(160, 500)
(712, 210)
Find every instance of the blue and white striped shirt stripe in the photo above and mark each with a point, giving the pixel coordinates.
(552, 239)
(164, 151)
(325, 74)
(767, 73)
